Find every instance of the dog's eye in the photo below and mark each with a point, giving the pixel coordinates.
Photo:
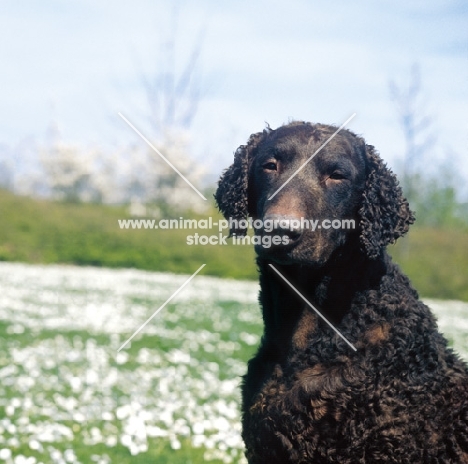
(270, 166)
(337, 175)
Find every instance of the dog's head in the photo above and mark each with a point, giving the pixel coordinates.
(307, 184)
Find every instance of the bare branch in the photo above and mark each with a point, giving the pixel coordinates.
(414, 123)
(174, 96)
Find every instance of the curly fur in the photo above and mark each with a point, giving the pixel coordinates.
(385, 214)
(402, 397)
(232, 193)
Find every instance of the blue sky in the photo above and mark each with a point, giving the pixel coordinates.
(81, 62)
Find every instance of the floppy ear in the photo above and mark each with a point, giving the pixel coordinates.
(384, 214)
(232, 193)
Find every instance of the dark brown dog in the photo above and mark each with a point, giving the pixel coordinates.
(308, 396)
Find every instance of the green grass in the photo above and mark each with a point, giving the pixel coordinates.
(67, 395)
(84, 444)
(37, 231)
(436, 261)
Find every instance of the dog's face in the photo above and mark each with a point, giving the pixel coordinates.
(311, 197)
(302, 202)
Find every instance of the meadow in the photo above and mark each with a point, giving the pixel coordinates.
(67, 395)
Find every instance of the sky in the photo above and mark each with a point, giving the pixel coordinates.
(79, 63)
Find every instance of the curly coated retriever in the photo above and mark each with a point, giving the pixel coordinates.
(394, 393)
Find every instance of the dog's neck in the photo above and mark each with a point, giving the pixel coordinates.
(331, 289)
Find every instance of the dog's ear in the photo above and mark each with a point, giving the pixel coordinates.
(232, 193)
(384, 214)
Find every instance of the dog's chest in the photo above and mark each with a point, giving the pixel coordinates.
(310, 391)
(298, 411)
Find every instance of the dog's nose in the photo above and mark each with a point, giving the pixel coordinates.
(279, 224)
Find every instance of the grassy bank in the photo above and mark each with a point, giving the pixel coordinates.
(436, 261)
(37, 231)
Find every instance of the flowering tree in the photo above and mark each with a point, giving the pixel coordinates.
(74, 174)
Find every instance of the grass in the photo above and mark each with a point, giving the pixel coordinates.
(436, 261)
(36, 231)
(172, 396)
(39, 231)
(68, 396)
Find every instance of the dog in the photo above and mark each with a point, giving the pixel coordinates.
(351, 367)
